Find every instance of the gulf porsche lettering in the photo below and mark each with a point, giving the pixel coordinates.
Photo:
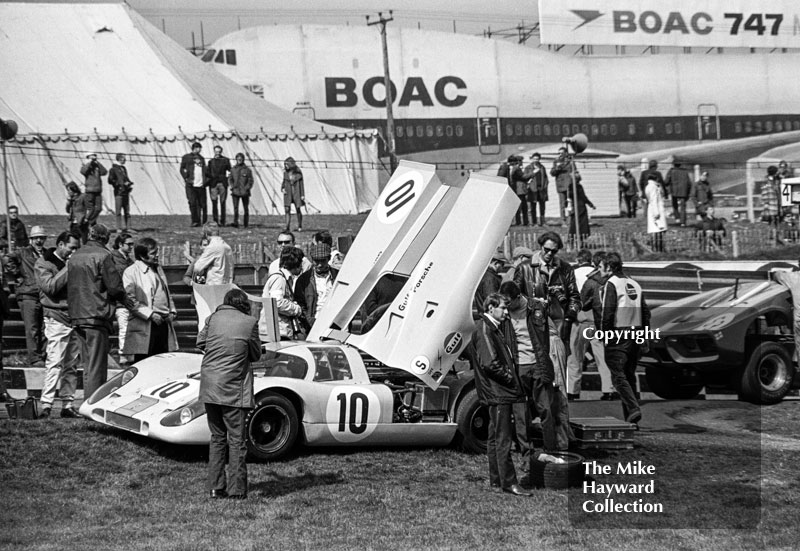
(352, 413)
(452, 342)
(169, 389)
(341, 92)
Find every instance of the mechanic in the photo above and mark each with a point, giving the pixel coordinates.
(499, 387)
(526, 333)
(314, 287)
(624, 307)
(553, 280)
(230, 341)
(280, 287)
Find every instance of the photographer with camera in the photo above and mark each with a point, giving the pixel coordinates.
(93, 171)
(118, 179)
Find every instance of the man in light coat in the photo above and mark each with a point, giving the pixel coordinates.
(152, 310)
(217, 258)
(230, 341)
(280, 286)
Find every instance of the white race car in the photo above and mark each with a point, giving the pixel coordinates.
(436, 238)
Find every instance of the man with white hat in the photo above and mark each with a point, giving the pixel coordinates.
(23, 275)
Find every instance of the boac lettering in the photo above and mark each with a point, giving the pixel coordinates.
(341, 92)
(651, 22)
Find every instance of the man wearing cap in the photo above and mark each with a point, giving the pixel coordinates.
(520, 255)
(118, 179)
(93, 285)
(536, 175)
(93, 171)
(314, 286)
(193, 172)
(19, 235)
(490, 282)
(22, 273)
(562, 171)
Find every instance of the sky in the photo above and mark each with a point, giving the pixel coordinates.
(179, 18)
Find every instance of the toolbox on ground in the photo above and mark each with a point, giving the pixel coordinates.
(603, 432)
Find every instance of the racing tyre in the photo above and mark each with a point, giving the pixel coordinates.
(671, 384)
(768, 375)
(271, 428)
(472, 419)
(557, 476)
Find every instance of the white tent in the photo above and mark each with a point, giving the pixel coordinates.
(100, 78)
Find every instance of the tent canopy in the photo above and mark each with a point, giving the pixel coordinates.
(102, 79)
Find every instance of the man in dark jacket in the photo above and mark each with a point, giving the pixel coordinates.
(313, 287)
(51, 275)
(536, 175)
(679, 184)
(19, 235)
(624, 308)
(702, 195)
(526, 333)
(193, 172)
(217, 181)
(553, 280)
(93, 171)
(118, 179)
(21, 271)
(653, 169)
(499, 387)
(93, 284)
(490, 282)
(230, 341)
(628, 191)
(562, 171)
(241, 182)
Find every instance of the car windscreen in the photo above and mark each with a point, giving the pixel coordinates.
(279, 364)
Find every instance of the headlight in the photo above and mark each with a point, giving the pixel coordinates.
(114, 384)
(184, 415)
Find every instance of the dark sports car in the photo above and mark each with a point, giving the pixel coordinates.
(739, 337)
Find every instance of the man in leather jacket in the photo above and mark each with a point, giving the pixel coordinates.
(551, 279)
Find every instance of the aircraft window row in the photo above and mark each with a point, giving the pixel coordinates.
(430, 130)
(222, 56)
(748, 127)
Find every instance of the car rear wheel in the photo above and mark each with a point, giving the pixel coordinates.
(472, 419)
(271, 428)
(671, 383)
(768, 375)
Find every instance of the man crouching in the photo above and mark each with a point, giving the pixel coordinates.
(499, 387)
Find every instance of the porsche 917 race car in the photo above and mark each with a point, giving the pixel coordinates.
(436, 241)
(737, 337)
(314, 394)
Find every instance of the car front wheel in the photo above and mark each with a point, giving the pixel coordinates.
(472, 419)
(271, 428)
(768, 375)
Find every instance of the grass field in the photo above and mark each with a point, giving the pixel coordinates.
(726, 473)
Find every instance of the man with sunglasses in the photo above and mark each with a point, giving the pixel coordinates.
(285, 241)
(552, 280)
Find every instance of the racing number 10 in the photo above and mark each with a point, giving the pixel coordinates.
(399, 197)
(355, 398)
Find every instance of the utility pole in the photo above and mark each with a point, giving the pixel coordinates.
(387, 83)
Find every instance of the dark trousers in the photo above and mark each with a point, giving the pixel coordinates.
(498, 448)
(122, 204)
(657, 241)
(543, 403)
(630, 205)
(522, 211)
(226, 424)
(94, 205)
(197, 204)
(562, 204)
(33, 318)
(95, 364)
(245, 207)
(622, 358)
(219, 196)
(534, 200)
(159, 341)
